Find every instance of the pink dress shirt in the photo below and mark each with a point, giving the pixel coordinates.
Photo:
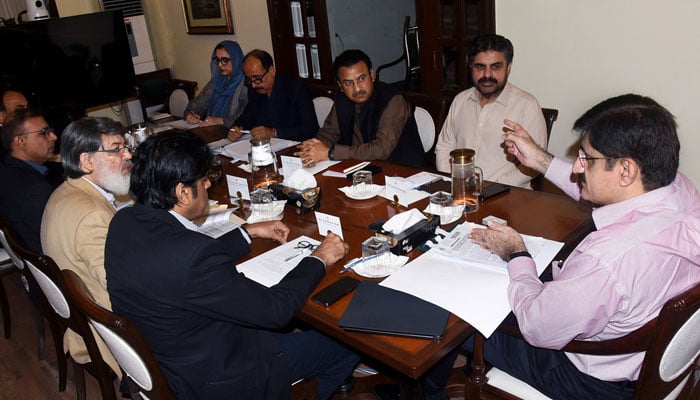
(645, 251)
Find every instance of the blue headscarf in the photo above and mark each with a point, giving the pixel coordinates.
(225, 88)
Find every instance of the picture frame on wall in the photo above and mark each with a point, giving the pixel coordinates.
(204, 17)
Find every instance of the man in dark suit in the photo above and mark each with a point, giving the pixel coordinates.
(369, 120)
(208, 325)
(25, 176)
(278, 105)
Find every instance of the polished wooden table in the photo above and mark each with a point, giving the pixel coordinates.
(534, 213)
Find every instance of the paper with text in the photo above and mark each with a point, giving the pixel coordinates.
(237, 184)
(327, 222)
(403, 189)
(270, 267)
(474, 293)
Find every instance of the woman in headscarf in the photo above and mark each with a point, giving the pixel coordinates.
(225, 96)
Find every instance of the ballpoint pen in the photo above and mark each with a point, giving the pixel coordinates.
(358, 261)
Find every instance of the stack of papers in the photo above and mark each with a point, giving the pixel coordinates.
(466, 281)
(220, 223)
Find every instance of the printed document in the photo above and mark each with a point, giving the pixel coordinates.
(270, 267)
(470, 284)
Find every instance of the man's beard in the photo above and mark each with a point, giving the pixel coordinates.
(116, 182)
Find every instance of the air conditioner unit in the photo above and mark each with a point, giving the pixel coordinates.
(136, 29)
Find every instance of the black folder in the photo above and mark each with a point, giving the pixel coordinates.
(377, 309)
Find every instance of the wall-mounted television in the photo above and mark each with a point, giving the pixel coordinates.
(69, 63)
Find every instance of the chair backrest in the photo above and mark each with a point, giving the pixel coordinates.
(155, 88)
(4, 233)
(674, 348)
(426, 127)
(323, 106)
(124, 340)
(178, 102)
(550, 115)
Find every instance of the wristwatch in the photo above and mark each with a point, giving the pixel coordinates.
(518, 254)
(330, 153)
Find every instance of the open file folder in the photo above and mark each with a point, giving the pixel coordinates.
(378, 309)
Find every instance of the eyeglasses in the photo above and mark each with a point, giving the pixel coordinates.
(116, 150)
(583, 157)
(222, 60)
(44, 131)
(255, 78)
(350, 83)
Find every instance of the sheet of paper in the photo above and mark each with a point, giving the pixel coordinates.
(476, 294)
(217, 145)
(239, 150)
(181, 124)
(327, 222)
(269, 268)
(424, 178)
(403, 189)
(220, 223)
(237, 184)
(290, 164)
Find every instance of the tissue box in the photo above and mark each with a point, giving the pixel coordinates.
(409, 239)
(302, 201)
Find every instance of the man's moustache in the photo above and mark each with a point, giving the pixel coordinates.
(359, 93)
(493, 80)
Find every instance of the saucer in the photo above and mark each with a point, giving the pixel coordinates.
(362, 192)
(370, 270)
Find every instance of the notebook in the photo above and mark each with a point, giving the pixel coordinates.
(377, 309)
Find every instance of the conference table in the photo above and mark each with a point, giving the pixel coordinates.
(534, 213)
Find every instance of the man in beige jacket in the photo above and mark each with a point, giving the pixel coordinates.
(97, 163)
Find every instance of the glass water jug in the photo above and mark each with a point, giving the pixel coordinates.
(466, 179)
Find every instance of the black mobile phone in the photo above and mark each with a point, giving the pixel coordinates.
(335, 291)
(493, 189)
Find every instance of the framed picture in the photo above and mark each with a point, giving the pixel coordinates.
(207, 16)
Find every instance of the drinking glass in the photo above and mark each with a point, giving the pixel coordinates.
(215, 171)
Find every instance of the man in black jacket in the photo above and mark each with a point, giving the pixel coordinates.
(278, 105)
(369, 120)
(208, 325)
(26, 177)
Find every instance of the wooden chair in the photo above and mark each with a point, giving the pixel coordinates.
(671, 342)
(550, 115)
(16, 265)
(125, 341)
(438, 107)
(61, 316)
(322, 106)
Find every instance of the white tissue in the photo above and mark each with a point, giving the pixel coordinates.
(400, 222)
(266, 212)
(300, 180)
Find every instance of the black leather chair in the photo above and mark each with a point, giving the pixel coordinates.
(154, 89)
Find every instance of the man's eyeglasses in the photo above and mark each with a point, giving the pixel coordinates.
(348, 83)
(116, 150)
(44, 131)
(222, 60)
(583, 157)
(249, 80)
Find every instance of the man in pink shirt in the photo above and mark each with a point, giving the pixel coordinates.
(644, 252)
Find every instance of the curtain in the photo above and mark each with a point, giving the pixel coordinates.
(11, 8)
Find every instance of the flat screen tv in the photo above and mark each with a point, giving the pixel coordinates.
(69, 63)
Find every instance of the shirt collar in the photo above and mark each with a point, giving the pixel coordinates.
(184, 221)
(611, 213)
(501, 99)
(107, 195)
(43, 169)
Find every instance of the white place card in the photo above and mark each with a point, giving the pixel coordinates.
(290, 164)
(327, 222)
(237, 184)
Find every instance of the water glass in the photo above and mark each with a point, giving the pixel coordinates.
(379, 247)
(362, 177)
